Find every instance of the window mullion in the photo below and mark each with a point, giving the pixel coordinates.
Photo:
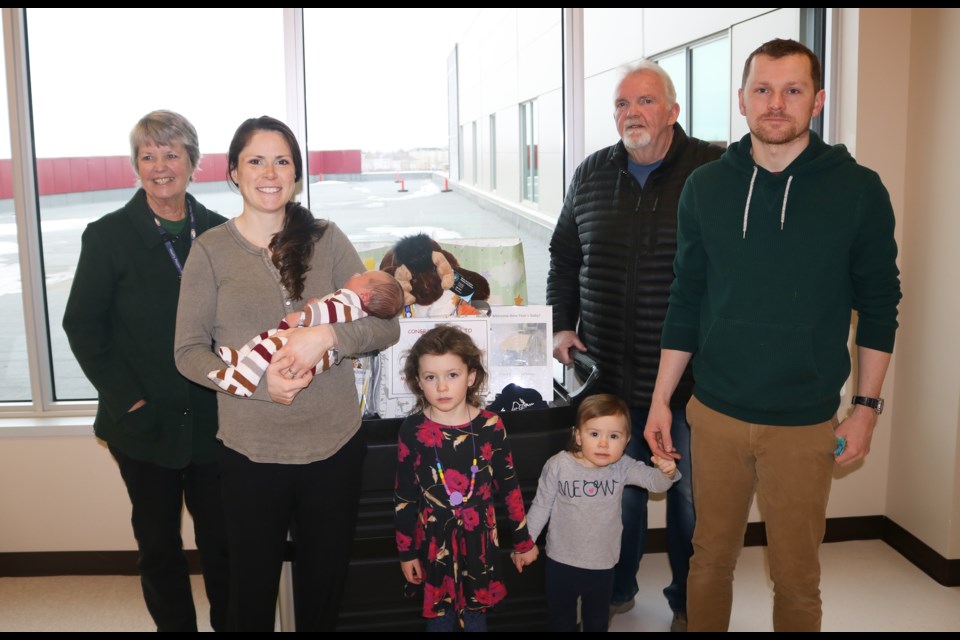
(26, 210)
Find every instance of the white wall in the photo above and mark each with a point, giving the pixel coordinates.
(551, 153)
(866, 484)
(507, 57)
(64, 494)
(599, 125)
(483, 139)
(668, 28)
(908, 96)
(611, 37)
(466, 152)
(539, 39)
(508, 153)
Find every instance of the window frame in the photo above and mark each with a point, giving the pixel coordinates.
(528, 149)
(685, 94)
(42, 409)
(27, 216)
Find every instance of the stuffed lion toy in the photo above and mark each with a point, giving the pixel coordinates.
(427, 272)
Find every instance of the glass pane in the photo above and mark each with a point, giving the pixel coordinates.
(379, 120)
(94, 73)
(476, 156)
(525, 149)
(14, 369)
(394, 128)
(493, 152)
(710, 113)
(534, 137)
(528, 112)
(676, 65)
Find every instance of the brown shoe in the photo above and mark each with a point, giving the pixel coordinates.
(679, 624)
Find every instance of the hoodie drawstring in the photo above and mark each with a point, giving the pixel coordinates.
(746, 209)
(783, 208)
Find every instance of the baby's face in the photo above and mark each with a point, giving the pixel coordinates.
(603, 440)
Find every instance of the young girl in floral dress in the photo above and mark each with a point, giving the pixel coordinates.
(453, 456)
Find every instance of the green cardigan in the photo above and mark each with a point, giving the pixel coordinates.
(120, 320)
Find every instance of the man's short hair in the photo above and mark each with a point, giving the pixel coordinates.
(648, 65)
(780, 48)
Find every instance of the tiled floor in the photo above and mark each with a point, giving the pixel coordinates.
(867, 586)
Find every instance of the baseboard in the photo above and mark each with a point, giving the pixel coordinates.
(944, 571)
(77, 563)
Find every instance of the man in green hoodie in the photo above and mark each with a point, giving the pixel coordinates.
(778, 241)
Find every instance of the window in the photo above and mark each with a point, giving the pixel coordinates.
(461, 158)
(813, 33)
(476, 153)
(675, 64)
(701, 76)
(85, 103)
(710, 91)
(493, 152)
(528, 144)
(366, 125)
(14, 361)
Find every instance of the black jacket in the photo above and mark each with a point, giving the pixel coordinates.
(611, 263)
(120, 321)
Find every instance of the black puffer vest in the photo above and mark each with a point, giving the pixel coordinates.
(611, 263)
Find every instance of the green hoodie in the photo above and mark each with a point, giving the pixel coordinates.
(768, 269)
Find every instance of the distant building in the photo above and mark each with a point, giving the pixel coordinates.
(421, 159)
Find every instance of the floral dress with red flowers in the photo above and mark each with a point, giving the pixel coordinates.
(456, 543)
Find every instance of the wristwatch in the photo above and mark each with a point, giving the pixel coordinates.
(874, 403)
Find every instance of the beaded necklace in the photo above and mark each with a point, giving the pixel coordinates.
(457, 498)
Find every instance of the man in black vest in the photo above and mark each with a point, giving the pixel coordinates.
(611, 265)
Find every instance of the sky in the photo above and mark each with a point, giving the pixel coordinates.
(386, 72)
(376, 78)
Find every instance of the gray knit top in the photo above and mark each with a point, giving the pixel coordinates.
(231, 291)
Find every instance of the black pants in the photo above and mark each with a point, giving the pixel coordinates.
(565, 584)
(317, 504)
(157, 495)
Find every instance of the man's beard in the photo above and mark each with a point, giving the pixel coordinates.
(638, 140)
(780, 135)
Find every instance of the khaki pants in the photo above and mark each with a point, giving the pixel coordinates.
(790, 468)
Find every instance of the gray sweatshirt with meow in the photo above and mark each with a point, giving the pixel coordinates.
(582, 505)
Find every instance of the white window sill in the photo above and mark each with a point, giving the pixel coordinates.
(46, 427)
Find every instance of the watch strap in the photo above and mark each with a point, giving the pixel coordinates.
(874, 403)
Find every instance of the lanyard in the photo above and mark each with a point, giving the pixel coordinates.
(169, 245)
